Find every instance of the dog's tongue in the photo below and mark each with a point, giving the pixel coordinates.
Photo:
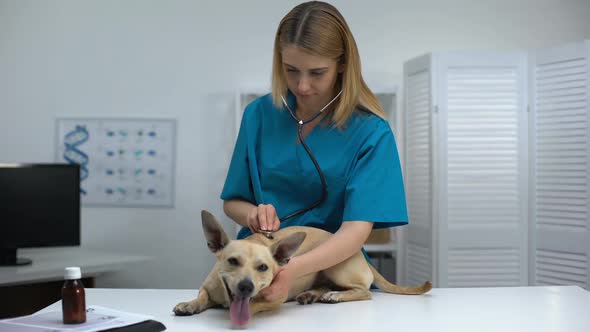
(239, 311)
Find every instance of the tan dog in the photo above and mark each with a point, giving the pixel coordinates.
(244, 267)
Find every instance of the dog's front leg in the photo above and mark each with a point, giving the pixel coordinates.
(196, 306)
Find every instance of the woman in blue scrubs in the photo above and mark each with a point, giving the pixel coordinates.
(316, 63)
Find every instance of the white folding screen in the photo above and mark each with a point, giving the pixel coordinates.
(418, 171)
(483, 154)
(497, 167)
(560, 179)
(466, 169)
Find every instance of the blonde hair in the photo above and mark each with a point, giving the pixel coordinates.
(320, 29)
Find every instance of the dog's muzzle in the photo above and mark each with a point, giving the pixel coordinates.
(245, 288)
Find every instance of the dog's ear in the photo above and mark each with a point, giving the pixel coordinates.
(284, 249)
(216, 237)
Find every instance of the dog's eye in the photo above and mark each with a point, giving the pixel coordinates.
(233, 261)
(262, 267)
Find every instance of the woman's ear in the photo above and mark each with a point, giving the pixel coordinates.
(341, 67)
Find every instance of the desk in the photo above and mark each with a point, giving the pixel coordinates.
(506, 309)
(34, 286)
(49, 263)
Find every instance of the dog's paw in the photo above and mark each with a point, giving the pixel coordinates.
(330, 297)
(184, 309)
(308, 297)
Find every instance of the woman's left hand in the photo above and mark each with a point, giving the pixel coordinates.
(279, 288)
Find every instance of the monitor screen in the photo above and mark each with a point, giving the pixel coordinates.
(39, 207)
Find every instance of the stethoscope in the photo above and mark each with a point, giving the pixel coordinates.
(300, 124)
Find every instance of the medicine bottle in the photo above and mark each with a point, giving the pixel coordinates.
(73, 297)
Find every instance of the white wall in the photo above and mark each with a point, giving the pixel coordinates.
(185, 60)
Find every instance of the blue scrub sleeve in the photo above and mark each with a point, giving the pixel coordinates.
(238, 183)
(375, 190)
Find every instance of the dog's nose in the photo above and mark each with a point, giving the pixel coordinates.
(245, 287)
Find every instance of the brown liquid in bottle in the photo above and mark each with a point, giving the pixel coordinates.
(73, 302)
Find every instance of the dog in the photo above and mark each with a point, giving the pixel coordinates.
(244, 267)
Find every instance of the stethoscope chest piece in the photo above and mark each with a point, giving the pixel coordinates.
(267, 234)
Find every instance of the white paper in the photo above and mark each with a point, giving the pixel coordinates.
(97, 319)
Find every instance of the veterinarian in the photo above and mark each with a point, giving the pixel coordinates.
(358, 185)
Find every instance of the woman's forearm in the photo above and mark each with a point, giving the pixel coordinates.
(347, 241)
(238, 210)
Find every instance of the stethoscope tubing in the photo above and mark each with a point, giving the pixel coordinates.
(300, 124)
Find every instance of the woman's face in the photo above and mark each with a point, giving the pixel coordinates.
(310, 77)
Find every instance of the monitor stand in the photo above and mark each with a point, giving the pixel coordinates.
(8, 258)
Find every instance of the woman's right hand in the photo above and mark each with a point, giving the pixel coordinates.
(263, 217)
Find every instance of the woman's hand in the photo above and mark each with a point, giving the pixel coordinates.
(263, 217)
(279, 288)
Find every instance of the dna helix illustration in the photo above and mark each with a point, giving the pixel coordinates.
(73, 155)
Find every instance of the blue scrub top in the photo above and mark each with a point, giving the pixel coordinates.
(360, 163)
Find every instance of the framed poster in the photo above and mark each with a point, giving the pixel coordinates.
(123, 162)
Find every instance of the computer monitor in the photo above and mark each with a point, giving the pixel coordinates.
(39, 207)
